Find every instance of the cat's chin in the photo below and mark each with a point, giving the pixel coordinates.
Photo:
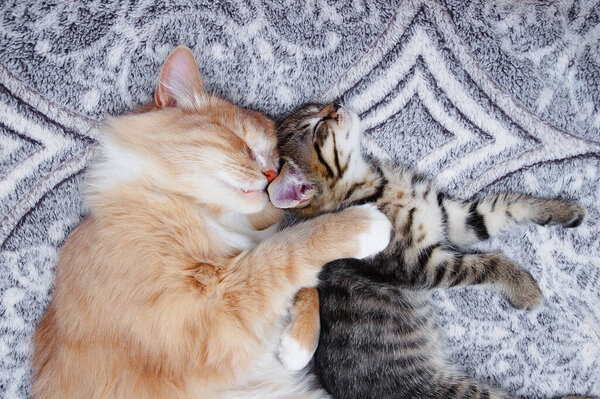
(244, 198)
(251, 202)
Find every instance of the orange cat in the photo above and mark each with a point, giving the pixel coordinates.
(175, 285)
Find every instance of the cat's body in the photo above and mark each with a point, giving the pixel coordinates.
(378, 337)
(175, 285)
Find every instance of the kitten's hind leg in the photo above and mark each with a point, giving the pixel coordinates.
(456, 386)
(437, 266)
(467, 388)
(470, 222)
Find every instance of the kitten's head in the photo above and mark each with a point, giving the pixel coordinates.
(189, 143)
(320, 147)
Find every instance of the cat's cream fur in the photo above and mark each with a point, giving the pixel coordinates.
(174, 286)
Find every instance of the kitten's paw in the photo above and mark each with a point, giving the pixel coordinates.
(524, 293)
(377, 236)
(574, 216)
(563, 213)
(292, 355)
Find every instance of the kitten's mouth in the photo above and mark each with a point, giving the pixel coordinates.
(290, 189)
(334, 113)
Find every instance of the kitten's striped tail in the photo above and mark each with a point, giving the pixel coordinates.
(472, 221)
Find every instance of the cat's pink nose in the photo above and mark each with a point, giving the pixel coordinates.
(271, 174)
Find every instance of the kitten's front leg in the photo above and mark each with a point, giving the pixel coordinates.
(301, 336)
(437, 266)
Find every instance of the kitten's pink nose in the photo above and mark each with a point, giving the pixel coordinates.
(271, 174)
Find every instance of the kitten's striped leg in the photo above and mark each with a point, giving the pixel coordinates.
(438, 266)
(455, 387)
(470, 222)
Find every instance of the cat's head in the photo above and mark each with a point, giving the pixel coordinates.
(320, 149)
(189, 143)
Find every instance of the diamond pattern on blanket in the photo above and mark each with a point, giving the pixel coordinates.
(492, 133)
(483, 96)
(48, 153)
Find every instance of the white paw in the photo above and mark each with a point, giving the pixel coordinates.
(377, 238)
(292, 355)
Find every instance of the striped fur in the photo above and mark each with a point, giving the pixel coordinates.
(378, 335)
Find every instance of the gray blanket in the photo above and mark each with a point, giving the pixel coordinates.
(481, 96)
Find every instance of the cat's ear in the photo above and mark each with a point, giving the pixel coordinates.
(179, 84)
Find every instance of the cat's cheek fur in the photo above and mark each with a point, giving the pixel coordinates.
(246, 204)
(118, 165)
(211, 190)
(377, 237)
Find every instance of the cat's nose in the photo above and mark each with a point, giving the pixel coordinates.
(270, 174)
(336, 106)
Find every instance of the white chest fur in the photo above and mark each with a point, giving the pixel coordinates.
(235, 230)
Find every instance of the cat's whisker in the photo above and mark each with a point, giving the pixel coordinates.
(202, 162)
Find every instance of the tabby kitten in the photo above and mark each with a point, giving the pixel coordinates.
(175, 284)
(378, 336)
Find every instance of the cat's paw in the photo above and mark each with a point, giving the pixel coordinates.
(377, 236)
(563, 213)
(292, 355)
(525, 292)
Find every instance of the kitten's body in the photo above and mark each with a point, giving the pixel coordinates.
(175, 285)
(378, 337)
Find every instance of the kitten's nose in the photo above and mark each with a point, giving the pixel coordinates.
(330, 110)
(270, 174)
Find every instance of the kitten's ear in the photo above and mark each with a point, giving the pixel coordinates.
(179, 84)
(290, 189)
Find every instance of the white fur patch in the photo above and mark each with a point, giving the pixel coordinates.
(113, 165)
(377, 237)
(457, 216)
(519, 212)
(293, 356)
(229, 237)
(496, 222)
(268, 379)
(235, 231)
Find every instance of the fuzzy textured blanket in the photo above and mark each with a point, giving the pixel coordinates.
(481, 96)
